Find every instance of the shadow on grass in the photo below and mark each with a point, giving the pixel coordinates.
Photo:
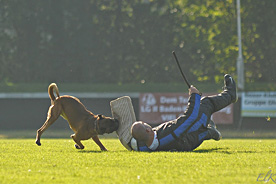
(109, 151)
(227, 151)
(91, 151)
(211, 150)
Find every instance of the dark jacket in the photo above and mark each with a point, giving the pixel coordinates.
(180, 134)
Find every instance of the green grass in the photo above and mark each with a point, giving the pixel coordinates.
(57, 161)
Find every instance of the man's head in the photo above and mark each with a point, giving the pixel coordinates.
(141, 131)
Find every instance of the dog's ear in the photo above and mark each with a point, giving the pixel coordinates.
(100, 116)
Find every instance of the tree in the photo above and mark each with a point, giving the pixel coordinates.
(131, 41)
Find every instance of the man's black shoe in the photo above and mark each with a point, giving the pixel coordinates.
(214, 133)
(212, 124)
(230, 87)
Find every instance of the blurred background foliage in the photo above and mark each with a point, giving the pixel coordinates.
(121, 42)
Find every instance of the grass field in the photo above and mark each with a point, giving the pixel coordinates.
(57, 161)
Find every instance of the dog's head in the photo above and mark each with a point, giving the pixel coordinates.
(106, 124)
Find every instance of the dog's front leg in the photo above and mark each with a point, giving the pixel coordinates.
(79, 145)
(98, 142)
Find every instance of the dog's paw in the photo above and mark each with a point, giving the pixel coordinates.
(38, 143)
(78, 147)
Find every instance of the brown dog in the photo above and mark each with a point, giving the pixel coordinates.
(83, 122)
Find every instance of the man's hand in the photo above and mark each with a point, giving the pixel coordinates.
(193, 89)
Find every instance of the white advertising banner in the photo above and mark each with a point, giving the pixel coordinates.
(258, 104)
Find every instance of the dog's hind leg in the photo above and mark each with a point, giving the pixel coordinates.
(78, 144)
(53, 114)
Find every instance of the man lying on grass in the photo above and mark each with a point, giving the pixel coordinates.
(188, 131)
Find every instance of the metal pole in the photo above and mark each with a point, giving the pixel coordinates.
(240, 64)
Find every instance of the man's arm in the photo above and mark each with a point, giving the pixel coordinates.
(194, 101)
(193, 89)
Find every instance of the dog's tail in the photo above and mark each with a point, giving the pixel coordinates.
(51, 89)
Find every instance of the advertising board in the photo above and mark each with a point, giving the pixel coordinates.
(156, 108)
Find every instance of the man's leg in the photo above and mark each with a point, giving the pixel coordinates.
(211, 104)
(196, 138)
(215, 103)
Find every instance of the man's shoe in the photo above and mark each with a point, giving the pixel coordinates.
(230, 87)
(214, 133)
(211, 124)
